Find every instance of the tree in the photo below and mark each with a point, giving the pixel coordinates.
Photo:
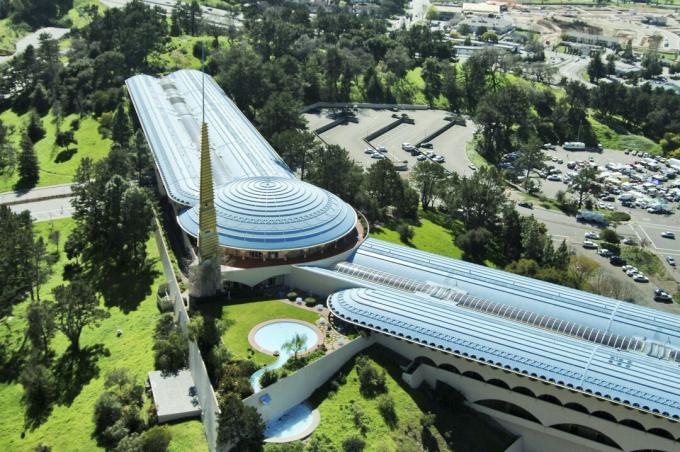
(171, 346)
(474, 244)
(121, 130)
(295, 344)
(321, 443)
(627, 53)
(431, 75)
(651, 65)
(17, 232)
(480, 198)
(530, 158)
(580, 270)
(332, 169)
(141, 160)
(35, 129)
(596, 68)
(383, 183)
(353, 444)
(7, 149)
(76, 307)
(39, 267)
(39, 390)
(54, 236)
(40, 100)
(296, 147)
(405, 232)
(584, 183)
(41, 327)
(29, 169)
(280, 112)
(240, 427)
(428, 178)
(490, 36)
(269, 377)
(65, 139)
(450, 89)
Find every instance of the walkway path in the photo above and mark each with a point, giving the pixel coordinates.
(44, 203)
(34, 40)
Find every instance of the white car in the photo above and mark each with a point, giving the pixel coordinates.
(592, 235)
(554, 178)
(369, 151)
(640, 278)
(382, 149)
(668, 235)
(589, 245)
(421, 157)
(377, 156)
(628, 241)
(439, 159)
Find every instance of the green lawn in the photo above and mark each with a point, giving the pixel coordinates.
(468, 430)
(69, 428)
(648, 262)
(427, 237)
(243, 316)
(179, 52)
(9, 34)
(56, 166)
(612, 139)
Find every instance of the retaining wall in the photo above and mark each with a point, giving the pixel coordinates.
(206, 395)
(298, 387)
(317, 105)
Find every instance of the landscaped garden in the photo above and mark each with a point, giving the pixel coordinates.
(123, 340)
(57, 165)
(242, 316)
(367, 402)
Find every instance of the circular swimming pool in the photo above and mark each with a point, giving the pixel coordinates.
(269, 338)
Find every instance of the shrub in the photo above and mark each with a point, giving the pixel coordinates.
(292, 296)
(360, 418)
(321, 443)
(405, 232)
(387, 411)
(371, 380)
(609, 235)
(353, 444)
(156, 439)
(613, 247)
(616, 217)
(269, 377)
(310, 302)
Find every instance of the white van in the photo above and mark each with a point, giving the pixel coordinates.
(574, 146)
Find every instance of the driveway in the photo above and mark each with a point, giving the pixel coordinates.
(34, 40)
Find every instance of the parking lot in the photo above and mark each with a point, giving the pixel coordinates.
(450, 144)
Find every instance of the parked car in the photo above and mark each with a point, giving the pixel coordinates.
(439, 159)
(668, 235)
(526, 204)
(382, 149)
(670, 260)
(628, 241)
(640, 278)
(421, 157)
(554, 178)
(663, 297)
(377, 156)
(472, 167)
(617, 261)
(604, 252)
(426, 145)
(589, 245)
(592, 235)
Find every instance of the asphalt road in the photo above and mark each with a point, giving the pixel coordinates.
(212, 15)
(50, 209)
(34, 40)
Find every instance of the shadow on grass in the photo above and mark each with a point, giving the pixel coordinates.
(126, 288)
(65, 155)
(74, 369)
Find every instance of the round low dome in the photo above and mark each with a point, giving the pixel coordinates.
(275, 214)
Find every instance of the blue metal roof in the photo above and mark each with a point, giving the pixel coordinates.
(541, 297)
(272, 214)
(170, 112)
(629, 378)
(260, 204)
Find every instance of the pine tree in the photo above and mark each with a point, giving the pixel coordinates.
(35, 129)
(40, 100)
(28, 163)
(120, 130)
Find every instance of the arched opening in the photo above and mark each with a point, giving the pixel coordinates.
(473, 375)
(661, 432)
(449, 367)
(424, 360)
(550, 399)
(577, 407)
(499, 383)
(604, 415)
(508, 408)
(525, 391)
(587, 433)
(632, 424)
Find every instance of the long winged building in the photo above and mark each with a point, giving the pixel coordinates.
(564, 369)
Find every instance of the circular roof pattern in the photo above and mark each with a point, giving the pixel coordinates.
(274, 214)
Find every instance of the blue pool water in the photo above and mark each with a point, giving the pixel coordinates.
(292, 422)
(271, 337)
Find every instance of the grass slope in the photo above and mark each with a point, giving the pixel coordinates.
(69, 428)
(428, 236)
(56, 166)
(621, 140)
(243, 316)
(466, 430)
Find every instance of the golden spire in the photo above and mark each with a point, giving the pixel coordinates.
(207, 218)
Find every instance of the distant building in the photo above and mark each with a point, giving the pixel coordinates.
(485, 8)
(655, 19)
(592, 39)
(498, 24)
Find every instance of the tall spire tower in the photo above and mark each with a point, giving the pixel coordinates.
(207, 218)
(206, 279)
